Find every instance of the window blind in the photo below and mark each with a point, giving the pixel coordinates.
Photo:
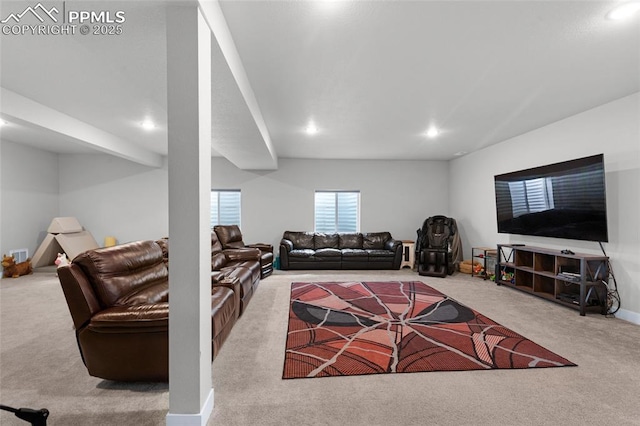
(337, 211)
(225, 207)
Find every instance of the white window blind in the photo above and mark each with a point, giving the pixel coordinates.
(577, 190)
(518, 198)
(537, 198)
(531, 196)
(225, 207)
(337, 211)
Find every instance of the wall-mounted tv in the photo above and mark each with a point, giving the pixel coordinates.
(561, 200)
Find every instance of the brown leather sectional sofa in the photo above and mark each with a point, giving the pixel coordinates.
(230, 237)
(241, 264)
(309, 250)
(118, 299)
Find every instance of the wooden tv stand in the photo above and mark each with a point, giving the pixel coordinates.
(573, 280)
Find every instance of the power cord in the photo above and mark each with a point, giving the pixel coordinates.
(613, 297)
(35, 417)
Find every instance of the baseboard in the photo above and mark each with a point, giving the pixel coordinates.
(199, 419)
(630, 316)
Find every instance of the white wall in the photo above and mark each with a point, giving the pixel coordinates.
(29, 195)
(395, 196)
(110, 196)
(114, 197)
(612, 129)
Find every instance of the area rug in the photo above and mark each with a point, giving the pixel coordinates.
(356, 328)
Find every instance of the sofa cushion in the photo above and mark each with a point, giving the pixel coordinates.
(351, 241)
(300, 240)
(353, 253)
(375, 240)
(230, 236)
(380, 253)
(322, 240)
(154, 293)
(131, 319)
(301, 253)
(328, 252)
(114, 272)
(252, 266)
(242, 254)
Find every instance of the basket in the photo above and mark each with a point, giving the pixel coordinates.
(466, 266)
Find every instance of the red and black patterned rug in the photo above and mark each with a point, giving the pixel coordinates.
(354, 328)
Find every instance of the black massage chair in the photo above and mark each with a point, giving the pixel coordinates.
(434, 246)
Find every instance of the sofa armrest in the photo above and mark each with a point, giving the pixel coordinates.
(393, 245)
(285, 247)
(242, 254)
(233, 284)
(287, 244)
(217, 276)
(226, 281)
(263, 247)
(134, 318)
(81, 299)
(396, 247)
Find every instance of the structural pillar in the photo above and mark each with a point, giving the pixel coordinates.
(189, 165)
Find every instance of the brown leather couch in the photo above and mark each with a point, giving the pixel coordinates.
(309, 250)
(230, 237)
(118, 299)
(241, 264)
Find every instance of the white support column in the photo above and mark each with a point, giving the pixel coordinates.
(189, 121)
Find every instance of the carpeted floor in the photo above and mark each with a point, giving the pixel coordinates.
(40, 367)
(379, 327)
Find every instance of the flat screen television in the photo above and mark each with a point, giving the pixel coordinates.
(561, 200)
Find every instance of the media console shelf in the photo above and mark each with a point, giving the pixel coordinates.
(573, 280)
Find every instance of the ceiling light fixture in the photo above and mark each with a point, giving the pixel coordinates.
(432, 132)
(3, 123)
(330, 4)
(148, 124)
(311, 129)
(624, 11)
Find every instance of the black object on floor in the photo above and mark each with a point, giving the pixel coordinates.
(35, 417)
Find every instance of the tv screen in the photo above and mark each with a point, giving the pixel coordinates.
(561, 200)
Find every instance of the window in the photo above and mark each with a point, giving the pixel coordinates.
(531, 196)
(337, 211)
(565, 192)
(225, 207)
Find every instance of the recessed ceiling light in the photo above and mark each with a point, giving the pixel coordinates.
(459, 153)
(330, 4)
(148, 124)
(3, 123)
(311, 129)
(623, 11)
(432, 132)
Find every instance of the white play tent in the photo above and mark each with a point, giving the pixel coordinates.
(65, 235)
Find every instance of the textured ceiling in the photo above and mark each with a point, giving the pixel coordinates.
(372, 75)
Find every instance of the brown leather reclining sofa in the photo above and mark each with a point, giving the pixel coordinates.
(118, 299)
(230, 237)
